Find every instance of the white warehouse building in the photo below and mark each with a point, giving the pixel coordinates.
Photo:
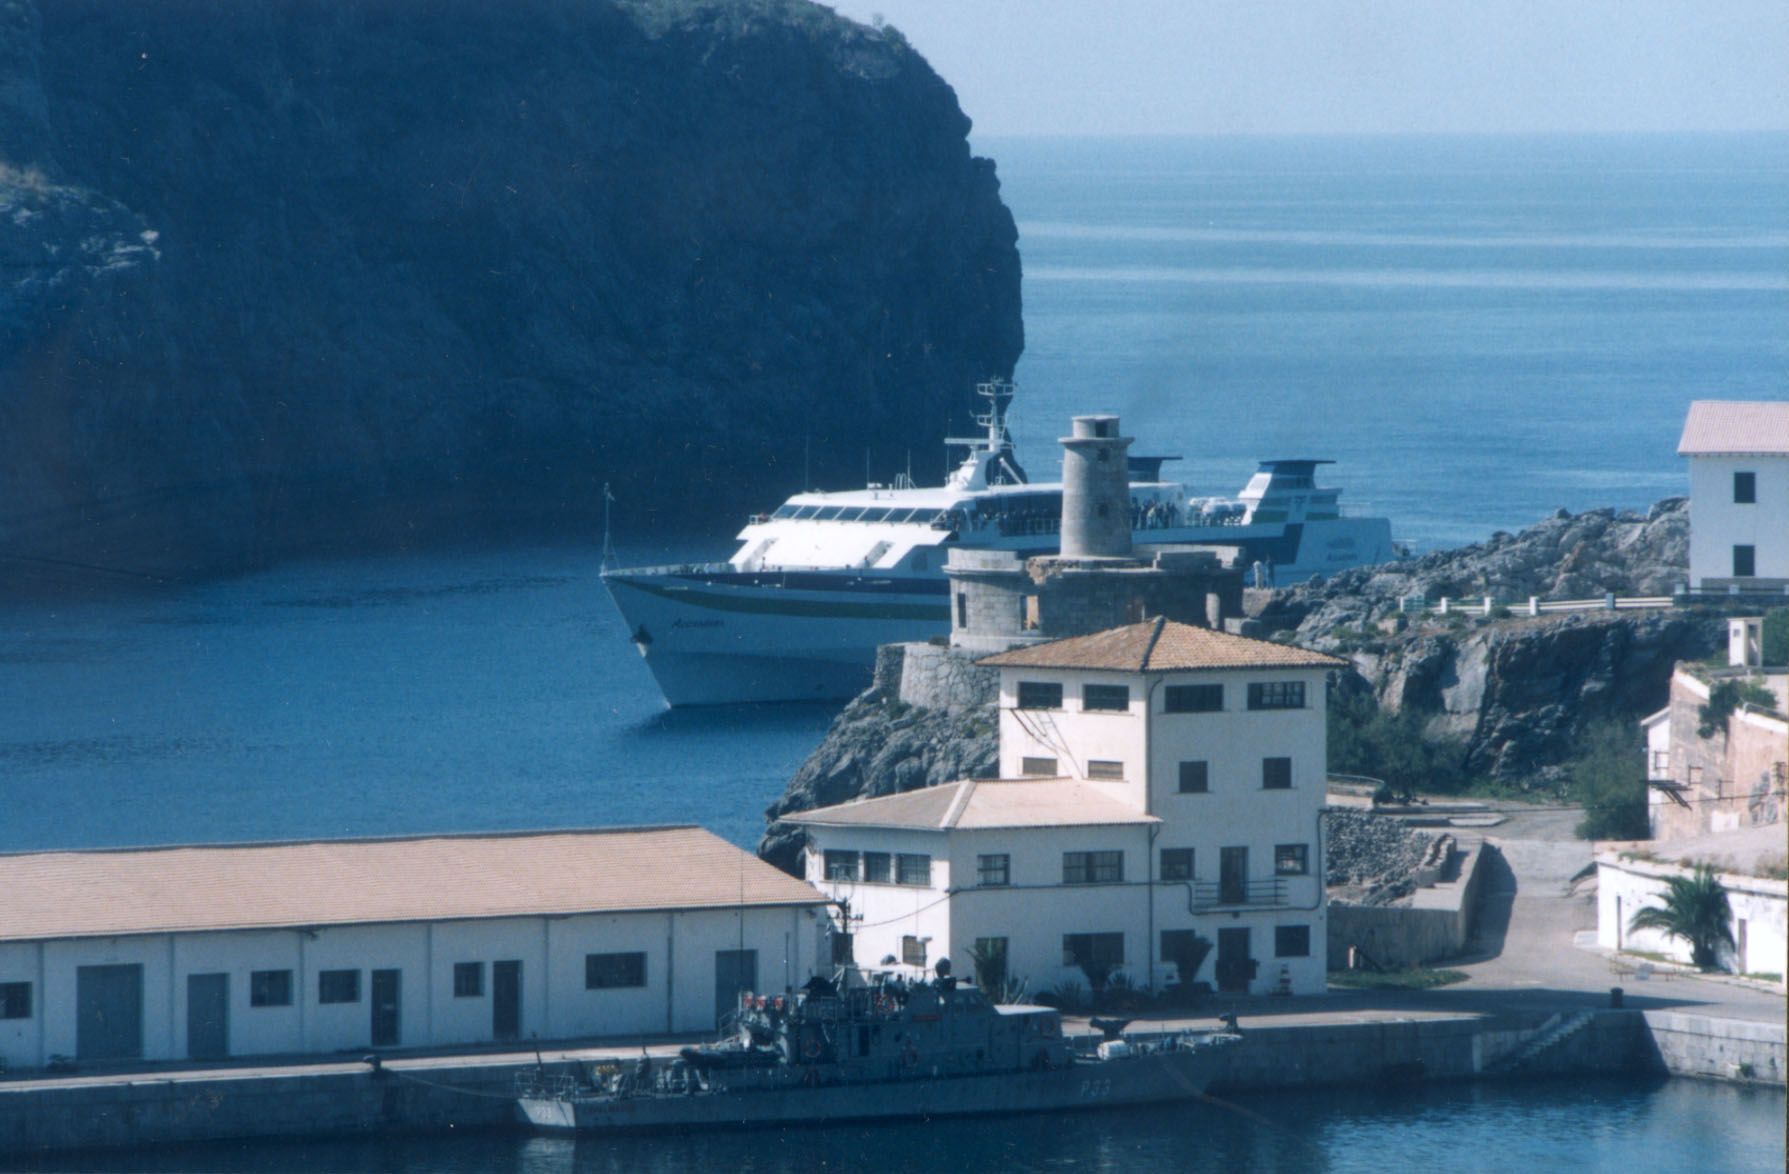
(1739, 495)
(1160, 785)
(206, 952)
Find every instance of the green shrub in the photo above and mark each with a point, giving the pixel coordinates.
(1607, 778)
(1776, 636)
(1367, 740)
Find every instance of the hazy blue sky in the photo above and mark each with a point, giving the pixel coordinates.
(1375, 66)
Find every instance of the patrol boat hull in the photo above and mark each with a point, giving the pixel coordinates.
(1150, 1078)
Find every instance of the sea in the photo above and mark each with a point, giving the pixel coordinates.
(1478, 331)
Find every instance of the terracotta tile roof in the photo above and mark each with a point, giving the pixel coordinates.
(1161, 645)
(1718, 426)
(336, 882)
(982, 803)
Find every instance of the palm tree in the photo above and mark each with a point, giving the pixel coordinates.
(1695, 910)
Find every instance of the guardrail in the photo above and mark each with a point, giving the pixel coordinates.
(1487, 606)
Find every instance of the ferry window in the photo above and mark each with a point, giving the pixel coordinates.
(468, 980)
(1291, 859)
(610, 971)
(1193, 699)
(875, 515)
(1091, 951)
(338, 986)
(1276, 774)
(913, 951)
(15, 1000)
(913, 870)
(1101, 768)
(1177, 864)
(1276, 695)
(270, 988)
(841, 866)
(1745, 562)
(989, 956)
(852, 515)
(784, 511)
(829, 513)
(1108, 698)
(1745, 488)
(1040, 695)
(993, 869)
(1195, 778)
(806, 511)
(1092, 868)
(876, 868)
(1040, 768)
(1291, 941)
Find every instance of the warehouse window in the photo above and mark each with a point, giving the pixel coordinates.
(1195, 778)
(1092, 868)
(1193, 699)
(1177, 864)
(841, 866)
(1276, 695)
(1745, 562)
(1107, 698)
(609, 971)
(15, 1000)
(1745, 488)
(1291, 941)
(1044, 768)
(1040, 695)
(1291, 859)
(876, 868)
(1101, 768)
(468, 980)
(993, 870)
(270, 988)
(1101, 951)
(338, 986)
(1276, 774)
(913, 951)
(913, 870)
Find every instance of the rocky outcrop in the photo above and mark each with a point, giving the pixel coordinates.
(289, 276)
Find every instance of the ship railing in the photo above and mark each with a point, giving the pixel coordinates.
(535, 1085)
(710, 568)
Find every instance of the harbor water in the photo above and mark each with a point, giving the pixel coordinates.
(1479, 331)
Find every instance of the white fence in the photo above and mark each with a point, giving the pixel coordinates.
(1536, 606)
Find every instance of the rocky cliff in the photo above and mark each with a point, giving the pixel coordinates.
(1506, 698)
(290, 275)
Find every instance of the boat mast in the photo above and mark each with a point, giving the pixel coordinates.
(608, 546)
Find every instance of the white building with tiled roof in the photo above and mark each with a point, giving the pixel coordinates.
(1159, 783)
(206, 952)
(1739, 495)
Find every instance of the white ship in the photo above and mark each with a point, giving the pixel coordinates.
(798, 611)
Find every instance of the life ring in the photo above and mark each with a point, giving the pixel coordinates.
(811, 1047)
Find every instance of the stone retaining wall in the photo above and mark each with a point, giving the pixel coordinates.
(1724, 1049)
(1435, 925)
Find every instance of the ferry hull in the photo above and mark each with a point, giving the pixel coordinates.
(1148, 1079)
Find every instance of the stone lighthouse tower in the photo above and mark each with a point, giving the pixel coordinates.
(1096, 490)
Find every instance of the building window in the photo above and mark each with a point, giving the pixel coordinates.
(1745, 562)
(994, 869)
(989, 956)
(1276, 695)
(1092, 868)
(1745, 488)
(1101, 768)
(1177, 864)
(1093, 951)
(1106, 698)
(15, 1000)
(876, 868)
(1193, 699)
(468, 980)
(962, 610)
(841, 866)
(913, 951)
(1291, 859)
(1038, 767)
(1040, 695)
(270, 988)
(913, 870)
(1276, 774)
(604, 972)
(1195, 778)
(338, 986)
(1291, 941)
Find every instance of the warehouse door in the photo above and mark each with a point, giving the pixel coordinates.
(1234, 968)
(734, 971)
(386, 1007)
(207, 1016)
(506, 1000)
(108, 1013)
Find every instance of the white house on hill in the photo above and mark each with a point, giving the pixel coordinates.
(1159, 782)
(1739, 495)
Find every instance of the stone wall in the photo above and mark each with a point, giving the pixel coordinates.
(1724, 1049)
(1435, 925)
(932, 676)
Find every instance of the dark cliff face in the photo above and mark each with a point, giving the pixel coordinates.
(303, 274)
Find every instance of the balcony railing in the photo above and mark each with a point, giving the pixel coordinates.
(1260, 894)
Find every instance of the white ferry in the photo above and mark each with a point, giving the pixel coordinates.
(798, 611)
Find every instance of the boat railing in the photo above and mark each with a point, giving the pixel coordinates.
(535, 1085)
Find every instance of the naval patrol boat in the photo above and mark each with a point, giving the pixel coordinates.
(879, 1050)
(817, 584)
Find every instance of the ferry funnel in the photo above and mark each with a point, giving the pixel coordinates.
(1096, 490)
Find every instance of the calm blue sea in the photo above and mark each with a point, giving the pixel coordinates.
(1477, 331)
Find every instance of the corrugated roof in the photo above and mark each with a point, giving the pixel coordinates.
(1724, 426)
(337, 882)
(1161, 645)
(982, 803)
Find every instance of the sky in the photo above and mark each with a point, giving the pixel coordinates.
(1107, 67)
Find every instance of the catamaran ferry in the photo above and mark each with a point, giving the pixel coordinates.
(798, 611)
